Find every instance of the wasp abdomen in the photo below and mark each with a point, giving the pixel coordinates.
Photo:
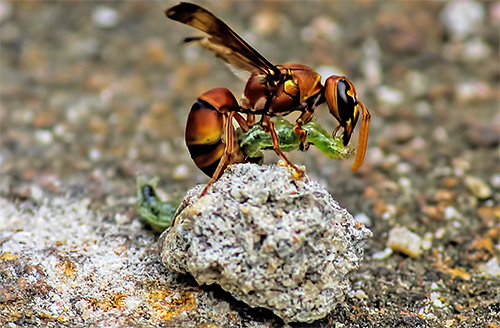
(204, 136)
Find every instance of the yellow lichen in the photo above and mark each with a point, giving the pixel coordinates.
(8, 257)
(68, 269)
(113, 301)
(459, 272)
(169, 305)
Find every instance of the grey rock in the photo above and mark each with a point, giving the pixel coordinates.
(270, 240)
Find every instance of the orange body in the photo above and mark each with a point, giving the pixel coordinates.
(271, 90)
(210, 135)
(205, 128)
(298, 84)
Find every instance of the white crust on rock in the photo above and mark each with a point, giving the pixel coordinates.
(270, 240)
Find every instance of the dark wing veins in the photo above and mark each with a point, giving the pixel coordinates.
(222, 40)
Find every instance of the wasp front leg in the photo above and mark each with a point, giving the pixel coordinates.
(305, 118)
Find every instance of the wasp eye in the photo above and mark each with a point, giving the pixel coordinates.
(345, 102)
(342, 88)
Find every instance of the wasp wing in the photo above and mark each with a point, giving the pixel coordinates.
(240, 72)
(222, 40)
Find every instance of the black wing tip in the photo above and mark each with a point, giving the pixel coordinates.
(181, 8)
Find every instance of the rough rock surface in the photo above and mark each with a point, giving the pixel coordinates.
(270, 240)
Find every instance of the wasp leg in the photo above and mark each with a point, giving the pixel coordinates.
(230, 149)
(250, 120)
(244, 124)
(334, 133)
(268, 126)
(304, 118)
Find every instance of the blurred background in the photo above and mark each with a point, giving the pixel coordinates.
(93, 93)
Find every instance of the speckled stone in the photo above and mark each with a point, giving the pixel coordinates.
(270, 240)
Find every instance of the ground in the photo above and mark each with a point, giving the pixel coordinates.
(94, 93)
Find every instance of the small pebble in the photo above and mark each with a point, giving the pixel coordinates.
(469, 91)
(105, 17)
(36, 193)
(440, 233)
(476, 50)
(382, 255)
(404, 241)
(491, 268)
(495, 180)
(94, 154)
(402, 132)
(423, 109)
(440, 134)
(477, 187)
(417, 83)
(404, 168)
(181, 172)
(267, 22)
(400, 34)
(427, 241)
(435, 298)
(121, 219)
(390, 212)
(482, 134)
(462, 18)
(44, 137)
(360, 294)
(389, 96)
(450, 213)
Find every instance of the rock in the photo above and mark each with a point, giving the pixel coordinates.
(403, 240)
(270, 240)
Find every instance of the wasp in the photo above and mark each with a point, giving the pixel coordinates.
(271, 90)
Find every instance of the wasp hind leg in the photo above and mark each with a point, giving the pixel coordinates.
(232, 154)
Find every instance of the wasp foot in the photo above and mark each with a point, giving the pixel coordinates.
(298, 172)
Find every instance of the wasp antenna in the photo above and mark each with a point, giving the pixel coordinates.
(363, 138)
(181, 9)
(193, 39)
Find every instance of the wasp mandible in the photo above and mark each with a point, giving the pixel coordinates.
(271, 90)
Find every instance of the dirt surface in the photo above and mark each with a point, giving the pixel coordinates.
(93, 93)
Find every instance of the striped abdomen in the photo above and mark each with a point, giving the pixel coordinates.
(204, 140)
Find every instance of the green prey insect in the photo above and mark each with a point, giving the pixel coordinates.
(159, 214)
(255, 140)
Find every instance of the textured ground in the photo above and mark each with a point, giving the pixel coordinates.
(94, 93)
